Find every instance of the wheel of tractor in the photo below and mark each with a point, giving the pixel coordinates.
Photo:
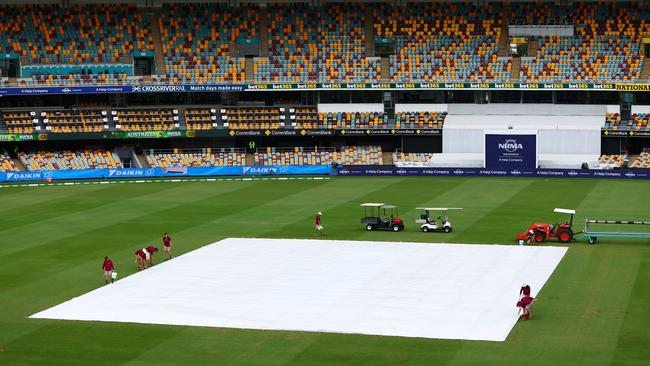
(396, 228)
(446, 229)
(540, 237)
(565, 235)
(369, 227)
(425, 229)
(592, 240)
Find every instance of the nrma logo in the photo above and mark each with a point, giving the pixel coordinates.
(511, 145)
(23, 176)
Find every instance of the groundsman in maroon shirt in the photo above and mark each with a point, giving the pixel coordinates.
(108, 268)
(151, 249)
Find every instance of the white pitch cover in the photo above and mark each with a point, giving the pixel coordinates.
(448, 291)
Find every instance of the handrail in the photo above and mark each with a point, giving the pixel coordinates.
(196, 151)
(315, 149)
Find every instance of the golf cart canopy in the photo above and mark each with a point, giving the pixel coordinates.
(371, 204)
(438, 208)
(564, 210)
(388, 207)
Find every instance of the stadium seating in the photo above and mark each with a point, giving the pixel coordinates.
(324, 44)
(640, 121)
(295, 156)
(75, 79)
(353, 155)
(352, 120)
(53, 34)
(305, 117)
(538, 13)
(197, 40)
(359, 155)
(442, 42)
(6, 164)
(342, 46)
(605, 46)
(642, 161)
(419, 119)
(637, 122)
(68, 121)
(612, 121)
(200, 118)
(78, 70)
(400, 157)
(433, 42)
(205, 157)
(610, 161)
(255, 118)
(146, 119)
(70, 160)
(18, 122)
(292, 45)
(593, 59)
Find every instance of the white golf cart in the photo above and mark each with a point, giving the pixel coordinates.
(429, 223)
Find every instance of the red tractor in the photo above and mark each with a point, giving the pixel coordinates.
(540, 232)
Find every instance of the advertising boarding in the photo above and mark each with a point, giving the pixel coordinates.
(511, 152)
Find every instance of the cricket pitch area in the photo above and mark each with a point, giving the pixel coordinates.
(445, 291)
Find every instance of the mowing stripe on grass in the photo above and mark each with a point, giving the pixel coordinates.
(149, 180)
(112, 206)
(128, 229)
(274, 218)
(633, 336)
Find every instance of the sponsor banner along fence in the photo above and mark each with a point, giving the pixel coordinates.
(206, 88)
(163, 172)
(619, 133)
(217, 132)
(381, 170)
(369, 170)
(222, 132)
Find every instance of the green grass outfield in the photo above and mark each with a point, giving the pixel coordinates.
(593, 310)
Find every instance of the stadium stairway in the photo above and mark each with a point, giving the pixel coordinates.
(264, 35)
(141, 160)
(154, 21)
(250, 159)
(645, 71)
(19, 164)
(516, 66)
(385, 69)
(387, 158)
(249, 69)
(503, 41)
(182, 123)
(370, 33)
(532, 47)
(233, 49)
